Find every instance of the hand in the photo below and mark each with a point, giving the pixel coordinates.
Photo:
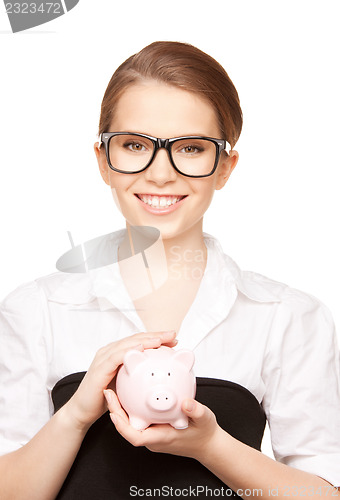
(88, 402)
(163, 438)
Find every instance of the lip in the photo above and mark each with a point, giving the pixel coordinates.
(160, 211)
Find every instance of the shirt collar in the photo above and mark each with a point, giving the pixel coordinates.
(255, 286)
(105, 283)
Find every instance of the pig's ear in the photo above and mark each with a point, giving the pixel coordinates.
(186, 357)
(132, 359)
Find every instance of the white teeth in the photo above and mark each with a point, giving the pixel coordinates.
(159, 201)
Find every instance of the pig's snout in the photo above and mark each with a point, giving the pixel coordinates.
(161, 399)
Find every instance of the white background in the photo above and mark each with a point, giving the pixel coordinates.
(279, 212)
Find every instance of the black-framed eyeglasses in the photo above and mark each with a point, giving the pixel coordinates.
(192, 156)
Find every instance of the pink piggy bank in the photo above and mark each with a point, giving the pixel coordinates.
(151, 386)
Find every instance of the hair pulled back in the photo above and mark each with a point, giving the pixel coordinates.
(184, 66)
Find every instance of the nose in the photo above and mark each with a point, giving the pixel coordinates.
(161, 171)
(161, 399)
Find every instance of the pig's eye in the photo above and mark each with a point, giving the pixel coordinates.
(168, 374)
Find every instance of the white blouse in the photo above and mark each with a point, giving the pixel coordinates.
(276, 341)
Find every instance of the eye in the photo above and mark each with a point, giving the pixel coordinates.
(152, 374)
(168, 374)
(190, 149)
(135, 146)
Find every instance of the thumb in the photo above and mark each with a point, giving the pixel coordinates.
(195, 410)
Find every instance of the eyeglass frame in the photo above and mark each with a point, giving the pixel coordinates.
(158, 143)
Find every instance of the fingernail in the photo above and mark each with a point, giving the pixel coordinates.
(108, 396)
(189, 405)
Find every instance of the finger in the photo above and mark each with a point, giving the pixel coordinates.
(136, 438)
(197, 412)
(112, 355)
(173, 343)
(158, 339)
(113, 359)
(110, 358)
(163, 334)
(121, 419)
(109, 399)
(152, 343)
(113, 403)
(166, 338)
(147, 339)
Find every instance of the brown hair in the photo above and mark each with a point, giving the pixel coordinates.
(181, 65)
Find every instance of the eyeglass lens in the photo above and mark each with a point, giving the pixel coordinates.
(131, 153)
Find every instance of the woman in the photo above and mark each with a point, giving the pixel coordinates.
(170, 119)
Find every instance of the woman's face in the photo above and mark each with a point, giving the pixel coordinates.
(164, 111)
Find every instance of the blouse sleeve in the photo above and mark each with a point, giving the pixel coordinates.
(24, 398)
(302, 398)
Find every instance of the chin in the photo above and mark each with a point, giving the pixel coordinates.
(166, 233)
(171, 233)
(169, 230)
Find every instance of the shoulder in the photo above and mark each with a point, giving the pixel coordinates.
(300, 322)
(283, 292)
(56, 287)
(285, 299)
(30, 313)
(22, 310)
(32, 292)
(73, 280)
(293, 307)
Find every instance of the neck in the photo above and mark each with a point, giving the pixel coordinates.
(186, 248)
(184, 251)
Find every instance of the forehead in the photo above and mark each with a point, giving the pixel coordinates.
(164, 111)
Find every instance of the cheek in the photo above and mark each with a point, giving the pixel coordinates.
(119, 185)
(206, 197)
(116, 199)
(205, 189)
(207, 200)
(116, 180)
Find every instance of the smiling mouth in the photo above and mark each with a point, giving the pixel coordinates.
(155, 201)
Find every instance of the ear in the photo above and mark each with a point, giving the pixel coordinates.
(102, 163)
(185, 357)
(226, 166)
(132, 359)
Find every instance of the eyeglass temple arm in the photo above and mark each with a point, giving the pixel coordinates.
(227, 148)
